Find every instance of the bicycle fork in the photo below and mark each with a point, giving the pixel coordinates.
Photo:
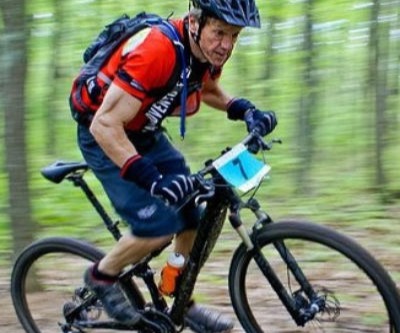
(304, 304)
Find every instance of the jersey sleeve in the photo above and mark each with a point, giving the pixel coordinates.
(146, 65)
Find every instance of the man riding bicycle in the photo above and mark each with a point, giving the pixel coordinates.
(123, 142)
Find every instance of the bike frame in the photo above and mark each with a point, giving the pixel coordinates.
(224, 199)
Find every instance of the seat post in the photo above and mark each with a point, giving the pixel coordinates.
(77, 179)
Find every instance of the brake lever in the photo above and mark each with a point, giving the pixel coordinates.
(206, 189)
(255, 142)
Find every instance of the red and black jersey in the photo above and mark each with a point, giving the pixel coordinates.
(145, 66)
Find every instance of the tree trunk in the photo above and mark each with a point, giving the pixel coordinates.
(269, 55)
(54, 69)
(14, 68)
(307, 106)
(378, 79)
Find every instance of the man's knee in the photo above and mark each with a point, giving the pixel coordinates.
(151, 243)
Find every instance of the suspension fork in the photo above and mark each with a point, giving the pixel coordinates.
(300, 309)
(251, 242)
(263, 219)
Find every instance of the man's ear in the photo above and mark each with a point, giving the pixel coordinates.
(193, 25)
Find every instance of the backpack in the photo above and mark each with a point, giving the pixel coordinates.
(103, 46)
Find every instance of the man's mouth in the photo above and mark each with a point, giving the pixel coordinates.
(221, 55)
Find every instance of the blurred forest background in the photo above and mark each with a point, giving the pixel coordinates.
(330, 69)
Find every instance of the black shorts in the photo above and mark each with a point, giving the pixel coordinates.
(146, 215)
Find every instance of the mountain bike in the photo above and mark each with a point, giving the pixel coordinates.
(287, 276)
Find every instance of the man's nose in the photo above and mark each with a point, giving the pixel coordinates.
(227, 42)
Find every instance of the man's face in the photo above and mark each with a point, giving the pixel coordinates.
(217, 41)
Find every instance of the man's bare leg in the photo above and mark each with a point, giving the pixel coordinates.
(129, 249)
(184, 242)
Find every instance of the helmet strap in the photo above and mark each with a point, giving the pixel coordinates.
(196, 35)
(202, 23)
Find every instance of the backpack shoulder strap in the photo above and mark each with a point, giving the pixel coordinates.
(171, 32)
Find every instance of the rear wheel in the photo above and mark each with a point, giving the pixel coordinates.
(358, 294)
(47, 285)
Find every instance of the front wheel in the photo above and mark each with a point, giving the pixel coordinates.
(356, 292)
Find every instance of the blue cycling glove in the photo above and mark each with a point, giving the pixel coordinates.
(263, 121)
(171, 188)
(243, 109)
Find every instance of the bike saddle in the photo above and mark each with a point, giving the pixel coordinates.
(57, 171)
